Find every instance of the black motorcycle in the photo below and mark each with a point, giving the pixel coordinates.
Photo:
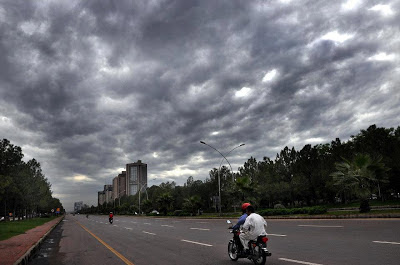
(258, 251)
(111, 220)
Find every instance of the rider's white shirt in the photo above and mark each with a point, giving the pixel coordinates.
(256, 225)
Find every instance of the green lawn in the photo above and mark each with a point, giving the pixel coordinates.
(10, 229)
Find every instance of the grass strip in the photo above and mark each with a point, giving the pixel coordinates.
(10, 229)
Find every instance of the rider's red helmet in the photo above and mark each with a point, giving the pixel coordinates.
(245, 205)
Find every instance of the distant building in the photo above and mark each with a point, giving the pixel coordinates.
(78, 206)
(119, 185)
(105, 195)
(136, 177)
(101, 198)
(108, 193)
(122, 184)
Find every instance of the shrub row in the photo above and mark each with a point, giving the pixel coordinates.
(305, 210)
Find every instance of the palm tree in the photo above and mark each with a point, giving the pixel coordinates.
(192, 204)
(244, 188)
(165, 200)
(357, 177)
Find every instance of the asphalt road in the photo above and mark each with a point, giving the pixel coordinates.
(140, 241)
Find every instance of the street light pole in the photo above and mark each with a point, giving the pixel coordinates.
(219, 169)
(220, 164)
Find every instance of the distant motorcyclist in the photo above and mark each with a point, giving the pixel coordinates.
(242, 218)
(110, 217)
(254, 226)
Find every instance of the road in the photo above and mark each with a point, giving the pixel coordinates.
(140, 241)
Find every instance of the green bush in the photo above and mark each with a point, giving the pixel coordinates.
(181, 213)
(292, 211)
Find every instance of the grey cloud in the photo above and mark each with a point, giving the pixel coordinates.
(104, 84)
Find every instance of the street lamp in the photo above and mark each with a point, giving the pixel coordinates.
(147, 195)
(219, 169)
(220, 164)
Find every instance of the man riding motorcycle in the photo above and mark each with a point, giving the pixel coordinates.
(254, 226)
(110, 216)
(242, 218)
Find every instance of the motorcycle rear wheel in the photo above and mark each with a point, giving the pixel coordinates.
(233, 251)
(259, 257)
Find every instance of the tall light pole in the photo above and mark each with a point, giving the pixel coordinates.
(140, 191)
(219, 169)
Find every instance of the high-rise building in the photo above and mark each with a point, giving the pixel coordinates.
(136, 177)
(119, 185)
(78, 206)
(101, 198)
(108, 193)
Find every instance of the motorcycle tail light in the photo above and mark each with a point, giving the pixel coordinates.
(265, 239)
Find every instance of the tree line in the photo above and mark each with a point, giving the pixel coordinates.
(25, 192)
(366, 166)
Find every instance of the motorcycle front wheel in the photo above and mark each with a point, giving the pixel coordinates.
(259, 256)
(233, 251)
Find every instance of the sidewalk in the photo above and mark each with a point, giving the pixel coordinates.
(16, 250)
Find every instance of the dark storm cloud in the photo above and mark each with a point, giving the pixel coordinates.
(90, 86)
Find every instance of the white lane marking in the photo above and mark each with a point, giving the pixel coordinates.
(275, 235)
(198, 243)
(299, 261)
(115, 225)
(147, 223)
(202, 222)
(322, 225)
(387, 242)
(128, 228)
(167, 225)
(149, 233)
(134, 222)
(203, 229)
(176, 221)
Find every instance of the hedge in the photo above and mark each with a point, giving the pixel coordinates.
(305, 210)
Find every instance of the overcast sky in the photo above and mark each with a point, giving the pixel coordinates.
(88, 86)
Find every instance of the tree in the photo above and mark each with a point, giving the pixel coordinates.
(358, 177)
(285, 166)
(192, 204)
(165, 202)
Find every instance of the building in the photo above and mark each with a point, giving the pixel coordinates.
(119, 185)
(106, 195)
(122, 184)
(101, 198)
(78, 206)
(136, 177)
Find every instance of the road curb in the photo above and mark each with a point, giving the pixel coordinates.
(23, 260)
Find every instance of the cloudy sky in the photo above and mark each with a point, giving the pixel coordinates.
(88, 86)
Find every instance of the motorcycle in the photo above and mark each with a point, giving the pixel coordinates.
(258, 251)
(111, 220)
